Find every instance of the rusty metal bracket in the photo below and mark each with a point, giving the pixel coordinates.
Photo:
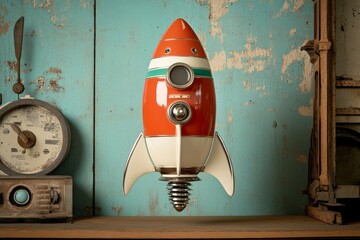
(323, 214)
(312, 48)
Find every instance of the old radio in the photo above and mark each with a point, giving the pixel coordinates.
(41, 197)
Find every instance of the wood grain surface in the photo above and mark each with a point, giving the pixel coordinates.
(182, 227)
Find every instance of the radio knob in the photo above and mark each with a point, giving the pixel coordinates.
(21, 196)
(54, 196)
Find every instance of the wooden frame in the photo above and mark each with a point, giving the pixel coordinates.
(323, 191)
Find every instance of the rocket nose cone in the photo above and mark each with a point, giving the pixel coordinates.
(179, 40)
(180, 29)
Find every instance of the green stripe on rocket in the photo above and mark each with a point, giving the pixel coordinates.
(161, 72)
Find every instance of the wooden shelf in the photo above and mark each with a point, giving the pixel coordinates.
(182, 227)
(347, 111)
(347, 83)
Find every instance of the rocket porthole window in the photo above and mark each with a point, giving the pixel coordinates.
(180, 75)
(194, 51)
(167, 50)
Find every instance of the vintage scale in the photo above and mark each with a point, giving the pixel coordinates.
(34, 140)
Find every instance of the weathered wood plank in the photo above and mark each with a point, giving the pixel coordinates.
(183, 228)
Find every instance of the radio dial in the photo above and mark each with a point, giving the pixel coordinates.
(21, 196)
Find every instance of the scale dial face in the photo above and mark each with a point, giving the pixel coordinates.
(34, 137)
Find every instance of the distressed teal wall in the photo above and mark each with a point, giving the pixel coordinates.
(263, 85)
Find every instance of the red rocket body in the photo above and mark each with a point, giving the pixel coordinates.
(179, 114)
(179, 45)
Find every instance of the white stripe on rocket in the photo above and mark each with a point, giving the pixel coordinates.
(165, 62)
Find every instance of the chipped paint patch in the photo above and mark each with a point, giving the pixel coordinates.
(117, 210)
(58, 22)
(298, 55)
(297, 5)
(306, 111)
(283, 9)
(290, 58)
(293, 6)
(230, 117)
(292, 32)
(218, 62)
(251, 4)
(247, 103)
(54, 86)
(246, 84)
(48, 81)
(12, 65)
(54, 70)
(258, 88)
(252, 59)
(263, 89)
(46, 4)
(153, 204)
(4, 26)
(305, 84)
(84, 3)
(53, 18)
(49, 7)
(40, 83)
(9, 79)
(217, 9)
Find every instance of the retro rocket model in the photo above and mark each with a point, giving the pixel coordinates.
(179, 108)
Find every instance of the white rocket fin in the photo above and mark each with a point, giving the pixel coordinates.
(138, 164)
(219, 165)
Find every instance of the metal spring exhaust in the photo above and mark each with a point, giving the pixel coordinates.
(179, 191)
(179, 194)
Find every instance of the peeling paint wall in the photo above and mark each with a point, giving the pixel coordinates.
(261, 78)
(263, 84)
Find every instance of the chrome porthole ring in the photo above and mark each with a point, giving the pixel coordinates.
(180, 75)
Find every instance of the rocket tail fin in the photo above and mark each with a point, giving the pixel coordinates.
(138, 164)
(219, 165)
